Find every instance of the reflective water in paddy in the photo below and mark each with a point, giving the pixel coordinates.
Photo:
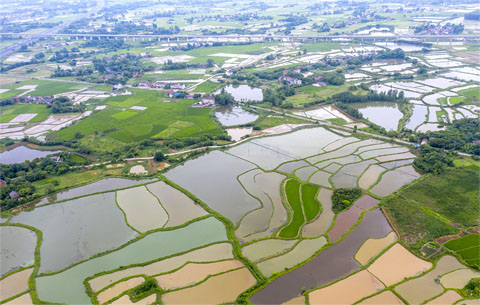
(384, 114)
(263, 157)
(23, 153)
(329, 265)
(321, 178)
(419, 115)
(370, 176)
(394, 180)
(103, 185)
(263, 221)
(213, 179)
(234, 115)
(67, 286)
(179, 206)
(17, 246)
(381, 152)
(301, 143)
(75, 230)
(305, 172)
(320, 225)
(291, 166)
(266, 248)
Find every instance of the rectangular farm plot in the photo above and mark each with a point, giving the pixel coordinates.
(195, 272)
(14, 284)
(118, 288)
(428, 284)
(396, 264)
(467, 247)
(179, 206)
(143, 211)
(347, 291)
(372, 247)
(218, 289)
(23, 118)
(386, 297)
(265, 248)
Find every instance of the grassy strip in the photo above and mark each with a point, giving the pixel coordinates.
(292, 192)
(311, 206)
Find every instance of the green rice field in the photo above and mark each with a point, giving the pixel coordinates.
(467, 247)
(162, 118)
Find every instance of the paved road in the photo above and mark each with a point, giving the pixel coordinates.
(264, 37)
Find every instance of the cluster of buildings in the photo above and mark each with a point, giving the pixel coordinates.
(160, 85)
(206, 102)
(47, 100)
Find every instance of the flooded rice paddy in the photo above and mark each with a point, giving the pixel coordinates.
(17, 248)
(321, 224)
(220, 251)
(67, 286)
(266, 248)
(75, 230)
(459, 278)
(384, 114)
(449, 297)
(218, 289)
(359, 285)
(100, 186)
(142, 210)
(180, 207)
(195, 272)
(418, 290)
(386, 297)
(302, 251)
(118, 288)
(330, 264)
(346, 219)
(396, 264)
(217, 171)
(14, 284)
(393, 180)
(373, 247)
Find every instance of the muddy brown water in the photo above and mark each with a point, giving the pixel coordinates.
(347, 219)
(329, 265)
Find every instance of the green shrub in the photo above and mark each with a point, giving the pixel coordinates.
(343, 198)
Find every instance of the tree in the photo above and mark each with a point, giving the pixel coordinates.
(210, 63)
(159, 156)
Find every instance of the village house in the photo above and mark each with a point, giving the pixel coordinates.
(14, 195)
(289, 80)
(206, 102)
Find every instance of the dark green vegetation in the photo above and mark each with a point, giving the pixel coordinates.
(310, 204)
(468, 248)
(343, 198)
(436, 206)
(432, 160)
(460, 135)
(292, 191)
(160, 119)
(472, 289)
(145, 289)
(304, 206)
(20, 176)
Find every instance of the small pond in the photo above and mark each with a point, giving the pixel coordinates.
(384, 114)
(230, 115)
(22, 153)
(243, 93)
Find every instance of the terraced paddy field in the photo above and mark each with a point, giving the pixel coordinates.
(253, 222)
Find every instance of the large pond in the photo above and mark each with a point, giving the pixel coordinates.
(384, 114)
(230, 115)
(243, 93)
(22, 153)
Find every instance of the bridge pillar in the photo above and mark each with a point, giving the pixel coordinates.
(91, 38)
